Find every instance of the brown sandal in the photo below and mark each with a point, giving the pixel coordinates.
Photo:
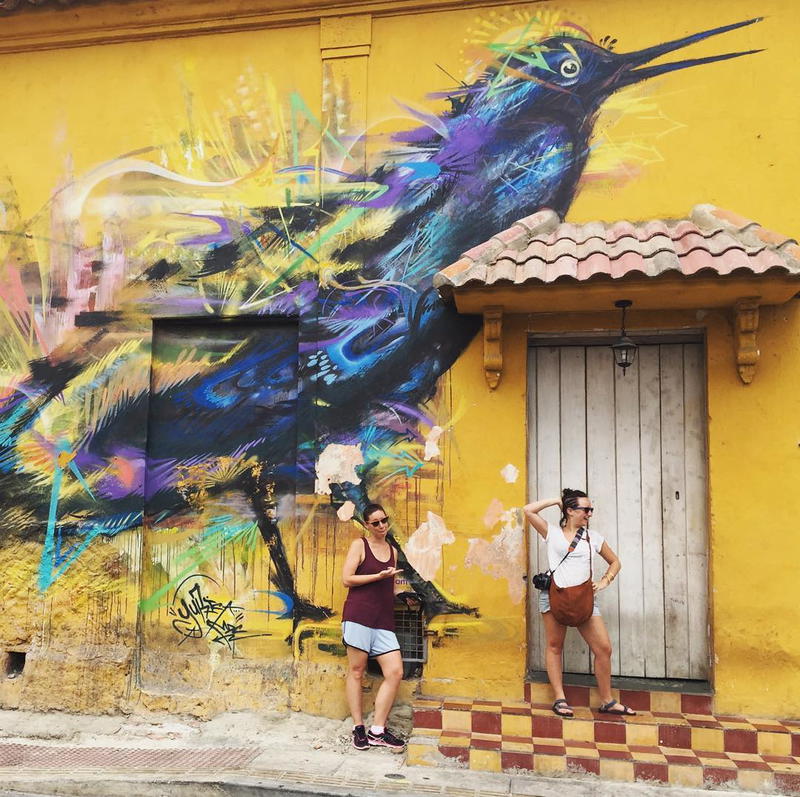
(565, 712)
(623, 712)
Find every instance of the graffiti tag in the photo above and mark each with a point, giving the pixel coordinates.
(198, 616)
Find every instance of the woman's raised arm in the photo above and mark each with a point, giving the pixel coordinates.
(532, 511)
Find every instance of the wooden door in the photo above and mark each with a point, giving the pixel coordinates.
(636, 442)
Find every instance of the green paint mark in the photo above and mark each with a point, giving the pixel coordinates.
(212, 541)
(512, 49)
(535, 58)
(299, 105)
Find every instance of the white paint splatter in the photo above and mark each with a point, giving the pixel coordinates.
(510, 473)
(504, 556)
(337, 464)
(432, 443)
(74, 197)
(424, 547)
(346, 511)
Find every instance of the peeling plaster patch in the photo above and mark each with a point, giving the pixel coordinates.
(432, 443)
(510, 473)
(346, 511)
(287, 506)
(493, 513)
(504, 556)
(337, 464)
(424, 547)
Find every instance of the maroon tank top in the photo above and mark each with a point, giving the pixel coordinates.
(372, 604)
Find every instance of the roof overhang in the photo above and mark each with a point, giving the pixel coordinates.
(714, 259)
(666, 292)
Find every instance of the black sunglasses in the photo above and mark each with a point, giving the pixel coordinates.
(380, 522)
(586, 509)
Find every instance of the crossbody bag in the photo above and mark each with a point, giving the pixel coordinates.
(571, 606)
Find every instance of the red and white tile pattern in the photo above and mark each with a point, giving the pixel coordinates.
(673, 739)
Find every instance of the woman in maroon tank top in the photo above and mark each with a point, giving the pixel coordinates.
(368, 627)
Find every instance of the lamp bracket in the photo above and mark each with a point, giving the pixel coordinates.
(493, 345)
(745, 326)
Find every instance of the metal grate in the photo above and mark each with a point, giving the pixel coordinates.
(410, 630)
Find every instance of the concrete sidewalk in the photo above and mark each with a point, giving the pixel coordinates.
(242, 754)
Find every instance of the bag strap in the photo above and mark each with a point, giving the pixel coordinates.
(572, 546)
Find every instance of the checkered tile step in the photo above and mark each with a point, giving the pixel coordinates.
(673, 702)
(676, 747)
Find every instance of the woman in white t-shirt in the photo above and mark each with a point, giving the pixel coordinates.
(576, 509)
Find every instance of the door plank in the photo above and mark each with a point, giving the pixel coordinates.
(673, 507)
(696, 539)
(601, 481)
(548, 452)
(573, 466)
(629, 521)
(535, 628)
(652, 545)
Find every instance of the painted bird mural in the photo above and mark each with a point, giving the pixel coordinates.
(355, 268)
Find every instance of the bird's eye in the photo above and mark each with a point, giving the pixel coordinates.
(570, 67)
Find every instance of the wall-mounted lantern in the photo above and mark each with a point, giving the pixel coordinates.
(624, 349)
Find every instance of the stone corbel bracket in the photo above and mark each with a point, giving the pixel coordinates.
(745, 326)
(493, 345)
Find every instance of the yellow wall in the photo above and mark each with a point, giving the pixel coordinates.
(753, 466)
(722, 133)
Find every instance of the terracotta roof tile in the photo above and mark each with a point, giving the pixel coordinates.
(540, 248)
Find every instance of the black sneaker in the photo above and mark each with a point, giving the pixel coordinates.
(385, 739)
(360, 738)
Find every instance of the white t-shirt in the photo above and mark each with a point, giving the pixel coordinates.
(575, 568)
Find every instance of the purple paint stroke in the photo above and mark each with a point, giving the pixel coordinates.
(315, 170)
(394, 423)
(161, 476)
(396, 185)
(12, 400)
(427, 118)
(399, 181)
(224, 235)
(467, 139)
(245, 447)
(411, 412)
(290, 303)
(86, 461)
(366, 303)
(129, 462)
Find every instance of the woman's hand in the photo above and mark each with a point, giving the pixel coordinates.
(410, 599)
(389, 572)
(599, 586)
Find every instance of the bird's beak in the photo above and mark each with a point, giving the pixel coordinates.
(631, 74)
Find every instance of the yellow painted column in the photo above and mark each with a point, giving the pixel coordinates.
(344, 49)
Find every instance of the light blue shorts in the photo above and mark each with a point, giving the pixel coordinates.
(544, 603)
(373, 641)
